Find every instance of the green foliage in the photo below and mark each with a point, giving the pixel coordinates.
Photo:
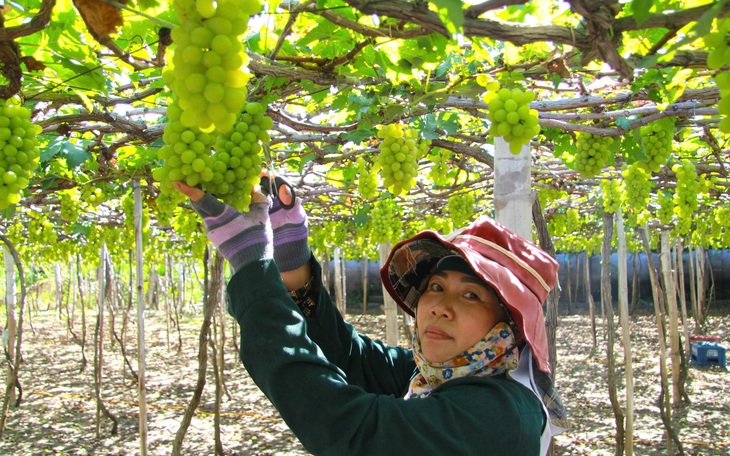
(336, 77)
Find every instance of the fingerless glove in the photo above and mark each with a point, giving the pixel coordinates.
(291, 246)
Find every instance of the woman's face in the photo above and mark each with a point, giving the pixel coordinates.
(455, 312)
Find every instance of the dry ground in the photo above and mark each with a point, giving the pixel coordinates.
(58, 411)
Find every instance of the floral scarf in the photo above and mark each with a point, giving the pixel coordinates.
(495, 354)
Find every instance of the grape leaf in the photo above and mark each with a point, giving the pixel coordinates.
(357, 136)
(641, 9)
(451, 15)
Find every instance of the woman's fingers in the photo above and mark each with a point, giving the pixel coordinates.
(256, 195)
(194, 193)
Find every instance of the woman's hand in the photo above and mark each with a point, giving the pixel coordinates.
(195, 194)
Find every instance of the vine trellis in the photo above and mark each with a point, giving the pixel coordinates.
(329, 77)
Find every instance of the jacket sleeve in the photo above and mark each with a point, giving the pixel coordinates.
(370, 364)
(331, 416)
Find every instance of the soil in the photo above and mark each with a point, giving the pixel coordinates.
(58, 411)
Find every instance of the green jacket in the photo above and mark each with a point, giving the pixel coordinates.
(342, 393)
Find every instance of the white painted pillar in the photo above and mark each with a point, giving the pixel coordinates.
(512, 188)
(389, 307)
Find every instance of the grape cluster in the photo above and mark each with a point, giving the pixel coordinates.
(511, 116)
(339, 233)
(547, 196)
(400, 151)
(611, 191)
(461, 208)
(318, 238)
(717, 59)
(92, 194)
(186, 153)
(40, 230)
(69, 205)
(592, 153)
(237, 160)
(19, 154)
(572, 220)
(208, 74)
(665, 212)
(438, 224)
(636, 187)
(367, 180)
(557, 225)
(657, 140)
(385, 224)
(165, 205)
(721, 224)
(439, 171)
(685, 196)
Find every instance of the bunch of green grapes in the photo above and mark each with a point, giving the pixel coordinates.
(385, 224)
(318, 238)
(414, 226)
(721, 224)
(717, 59)
(685, 196)
(511, 116)
(187, 224)
(127, 235)
(438, 224)
(657, 140)
(665, 212)
(592, 153)
(166, 204)
(439, 171)
(19, 154)
(572, 220)
(92, 195)
(635, 187)
(207, 73)
(557, 225)
(400, 151)
(339, 233)
(237, 158)
(69, 205)
(611, 191)
(367, 180)
(461, 208)
(185, 155)
(547, 196)
(40, 230)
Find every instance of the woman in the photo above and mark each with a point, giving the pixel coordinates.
(464, 389)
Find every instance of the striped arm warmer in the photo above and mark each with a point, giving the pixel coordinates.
(291, 243)
(241, 238)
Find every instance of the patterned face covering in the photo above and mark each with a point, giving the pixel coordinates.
(495, 354)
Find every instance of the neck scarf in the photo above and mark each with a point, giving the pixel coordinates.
(494, 355)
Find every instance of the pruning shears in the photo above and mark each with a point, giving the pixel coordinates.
(273, 184)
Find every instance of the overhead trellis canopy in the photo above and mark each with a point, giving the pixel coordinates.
(331, 73)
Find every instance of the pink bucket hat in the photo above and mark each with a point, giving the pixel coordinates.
(518, 270)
